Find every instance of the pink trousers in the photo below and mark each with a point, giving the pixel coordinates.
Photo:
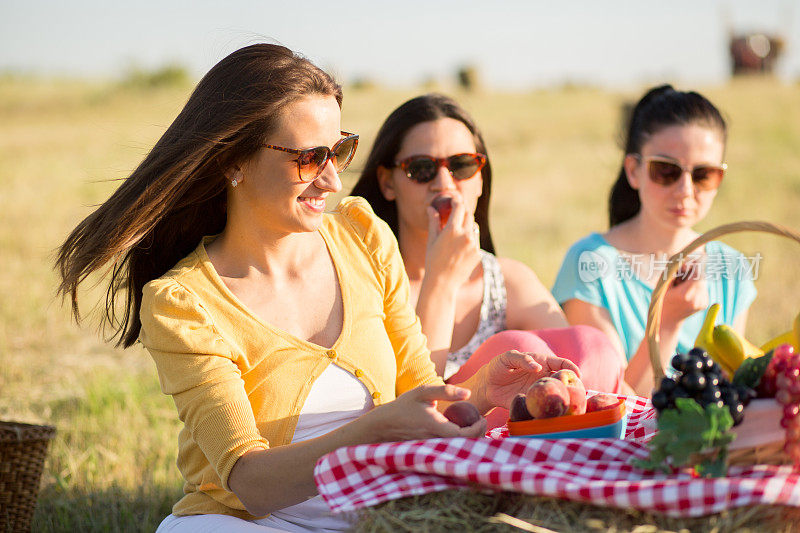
(602, 367)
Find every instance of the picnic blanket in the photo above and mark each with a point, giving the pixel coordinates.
(596, 471)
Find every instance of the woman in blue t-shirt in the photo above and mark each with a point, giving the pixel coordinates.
(672, 168)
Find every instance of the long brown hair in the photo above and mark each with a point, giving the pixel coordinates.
(387, 143)
(177, 194)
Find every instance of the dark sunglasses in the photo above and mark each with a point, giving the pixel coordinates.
(423, 168)
(666, 172)
(311, 161)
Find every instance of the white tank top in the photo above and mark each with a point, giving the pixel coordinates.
(336, 398)
(493, 313)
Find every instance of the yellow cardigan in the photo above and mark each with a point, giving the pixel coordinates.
(239, 384)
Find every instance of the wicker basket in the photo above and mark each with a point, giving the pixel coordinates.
(23, 448)
(752, 444)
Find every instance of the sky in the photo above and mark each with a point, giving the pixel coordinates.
(513, 43)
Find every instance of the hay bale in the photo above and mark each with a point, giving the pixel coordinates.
(466, 510)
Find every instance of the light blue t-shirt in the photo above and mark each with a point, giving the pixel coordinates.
(593, 271)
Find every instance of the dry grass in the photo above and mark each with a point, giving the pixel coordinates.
(62, 145)
(455, 510)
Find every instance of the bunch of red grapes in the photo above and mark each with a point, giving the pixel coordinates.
(782, 380)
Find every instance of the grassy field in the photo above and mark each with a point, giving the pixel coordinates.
(63, 144)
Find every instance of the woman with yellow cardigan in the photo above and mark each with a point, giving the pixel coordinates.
(281, 331)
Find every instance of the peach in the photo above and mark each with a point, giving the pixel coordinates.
(547, 398)
(462, 414)
(443, 205)
(601, 401)
(576, 390)
(519, 411)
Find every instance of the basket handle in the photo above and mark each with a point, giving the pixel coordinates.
(657, 301)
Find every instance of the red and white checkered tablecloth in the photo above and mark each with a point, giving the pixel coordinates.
(596, 471)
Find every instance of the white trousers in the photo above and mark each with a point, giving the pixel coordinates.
(214, 523)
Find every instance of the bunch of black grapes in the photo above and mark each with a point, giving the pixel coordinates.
(698, 377)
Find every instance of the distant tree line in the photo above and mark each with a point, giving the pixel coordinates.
(169, 75)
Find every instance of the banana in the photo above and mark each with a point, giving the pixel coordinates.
(787, 337)
(733, 348)
(705, 338)
(724, 345)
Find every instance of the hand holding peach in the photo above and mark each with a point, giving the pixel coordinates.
(414, 415)
(512, 372)
(463, 414)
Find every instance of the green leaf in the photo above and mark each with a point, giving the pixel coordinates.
(752, 370)
(720, 417)
(689, 429)
(650, 464)
(713, 467)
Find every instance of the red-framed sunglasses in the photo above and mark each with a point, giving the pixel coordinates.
(664, 171)
(423, 168)
(311, 161)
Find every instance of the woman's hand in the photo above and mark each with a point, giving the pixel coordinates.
(413, 415)
(269, 479)
(513, 372)
(683, 298)
(450, 258)
(452, 252)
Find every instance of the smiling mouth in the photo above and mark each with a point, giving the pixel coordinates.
(318, 203)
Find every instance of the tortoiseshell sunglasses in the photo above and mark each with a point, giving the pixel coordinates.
(423, 168)
(311, 161)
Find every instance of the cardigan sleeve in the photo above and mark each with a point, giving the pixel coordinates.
(196, 367)
(414, 365)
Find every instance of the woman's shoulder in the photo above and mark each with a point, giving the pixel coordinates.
(729, 262)
(593, 243)
(355, 211)
(720, 248)
(354, 217)
(181, 277)
(723, 257)
(589, 266)
(175, 320)
(168, 291)
(515, 272)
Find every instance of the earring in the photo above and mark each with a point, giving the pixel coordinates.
(234, 182)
